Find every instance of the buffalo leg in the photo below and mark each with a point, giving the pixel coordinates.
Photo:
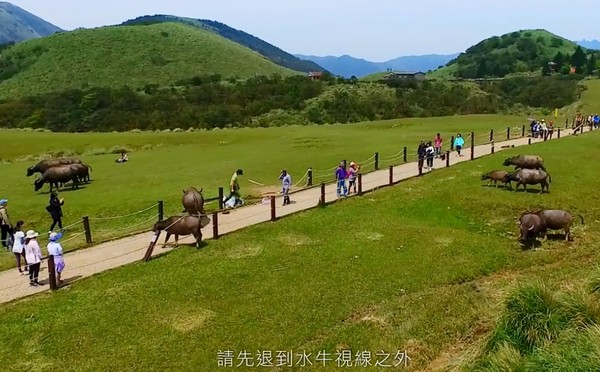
(166, 239)
(176, 240)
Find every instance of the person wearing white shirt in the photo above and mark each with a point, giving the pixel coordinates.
(33, 255)
(56, 250)
(19, 246)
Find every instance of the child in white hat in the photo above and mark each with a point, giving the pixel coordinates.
(56, 250)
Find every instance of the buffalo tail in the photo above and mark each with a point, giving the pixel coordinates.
(580, 216)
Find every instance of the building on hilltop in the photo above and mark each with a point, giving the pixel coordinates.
(404, 75)
(314, 75)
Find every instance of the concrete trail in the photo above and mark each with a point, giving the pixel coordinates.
(96, 259)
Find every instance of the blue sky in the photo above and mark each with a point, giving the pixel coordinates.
(372, 29)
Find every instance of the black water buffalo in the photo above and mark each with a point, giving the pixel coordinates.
(555, 219)
(530, 177)
(182, 225)
(55, 175)
(497, 175)
(44, 165)
(83, 172)
(193, 201)
(525, 162)
(530, 226)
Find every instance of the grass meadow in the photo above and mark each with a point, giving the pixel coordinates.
(162, 164)
(424, 267)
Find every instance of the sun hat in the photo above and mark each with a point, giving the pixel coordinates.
(54, 236)
(31, 234)
(3, 201)
(352, 163)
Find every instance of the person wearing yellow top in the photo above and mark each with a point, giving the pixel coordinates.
(234, 187)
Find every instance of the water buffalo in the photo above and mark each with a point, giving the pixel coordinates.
(556, 219)
(530, 225)
(193, 201)
(83, 172)
(525, 162)
(497, 175)
(530, 177)
(56, 175)
(182, 225)
(44, 165)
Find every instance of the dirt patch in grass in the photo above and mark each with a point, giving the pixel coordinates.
(189, 322)
(294, 240)
(244, 250)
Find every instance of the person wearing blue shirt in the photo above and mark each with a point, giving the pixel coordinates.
(286, 182)
(459, 142)
(596, 121)
(340, 177)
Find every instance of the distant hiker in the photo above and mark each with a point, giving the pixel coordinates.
(234, 189)
(421, 153)
(123, 158)
(33, 255)
(56, 250)
(596, 121)
(352, 174)
(286, 184)
(550, 130)
(6, 227)
(429, 153)
(55, 210)
(459, 142)
(438, 145)
(543, 129)
(578, 124)
(19, 246)
(340, 177)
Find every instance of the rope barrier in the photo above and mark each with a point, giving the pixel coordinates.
(73, 237)
(129, 227)
(123, 216)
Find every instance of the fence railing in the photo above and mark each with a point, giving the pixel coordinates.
(372, 164)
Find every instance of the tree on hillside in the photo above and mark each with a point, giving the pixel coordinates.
(559, 59)
(579, 59)
(591, 65)
(546, 69)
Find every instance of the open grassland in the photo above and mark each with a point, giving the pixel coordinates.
(590, 99)
(162, 164)
(115, 56)
(423, 267)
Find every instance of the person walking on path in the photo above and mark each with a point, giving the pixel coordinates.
(19, 246)
(286, 184)
(438, 145)
(459, 142)
(550, 130)
(6, 227)
(340, 177)
(543, 129)
(33, 255)
(429, 153)
(352, 174)
(234, 188)
(55, 210)
(421, 153)
(56, 250)
(596, 121)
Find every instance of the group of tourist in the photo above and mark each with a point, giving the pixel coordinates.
(539, 129)
(25, 246)
(343, 174)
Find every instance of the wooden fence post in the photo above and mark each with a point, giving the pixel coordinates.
(491, 135)
(391, 172)
(161, 210)
(273, 214)
(376, 161)
(153, 241)
(529, 141)
(472, 145)
(52, 273)
(221, 197)
(507, 133)
(404, 154)
(523, 131)
(447, 159)
(309, 177)
(452, 143)
(492, 147)
(359, 184)
(88, 231)
(558, 133)
(322, 199)
(215, 221)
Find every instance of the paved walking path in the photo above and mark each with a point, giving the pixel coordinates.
(93, 260)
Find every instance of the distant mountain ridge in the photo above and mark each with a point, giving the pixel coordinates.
(589, 44)
(273, 53)
(348, 66)
(18, 25)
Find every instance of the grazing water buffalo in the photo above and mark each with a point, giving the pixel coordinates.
(56, 175)
(44, 165)
(83, 172)
(530, 177)
(497, 175)
(182, 225)
(525, 162)
(556, 219)
(530, 225)
(193, 201)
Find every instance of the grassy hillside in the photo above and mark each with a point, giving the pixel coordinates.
(421, 268)
(115, 56)
(275, 54)
(17, 24)
(517, 52)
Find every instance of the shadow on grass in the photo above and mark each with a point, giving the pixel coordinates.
(66, 189)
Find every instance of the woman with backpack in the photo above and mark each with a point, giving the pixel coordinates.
(55, 210)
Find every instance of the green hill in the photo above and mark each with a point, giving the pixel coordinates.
(125, 55)
(520, 52)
